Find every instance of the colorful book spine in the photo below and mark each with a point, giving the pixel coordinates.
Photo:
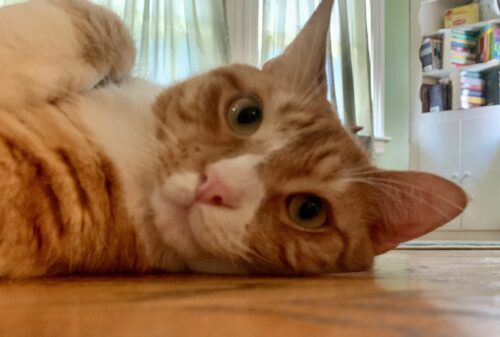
(472, 80)
(473, 89)
(496, 43)
(472, 93)
(488, 45)
(463, 47)
(473, 100)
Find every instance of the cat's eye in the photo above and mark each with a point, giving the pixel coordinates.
(245, 116)
(308, 211)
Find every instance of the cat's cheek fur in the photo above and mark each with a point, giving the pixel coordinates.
(171, 203)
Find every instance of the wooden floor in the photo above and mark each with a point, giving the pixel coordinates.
(410, 293)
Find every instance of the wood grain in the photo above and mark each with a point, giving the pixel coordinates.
(410, 294)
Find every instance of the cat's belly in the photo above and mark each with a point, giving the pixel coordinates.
(62, 206)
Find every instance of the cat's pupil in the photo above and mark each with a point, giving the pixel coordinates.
(249, 115)
(310, 208)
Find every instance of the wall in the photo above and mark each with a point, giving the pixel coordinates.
(397, 85)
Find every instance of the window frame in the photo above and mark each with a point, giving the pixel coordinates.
(377, 50)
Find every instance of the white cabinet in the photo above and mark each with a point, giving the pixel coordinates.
(481, 172)
(464, 146)
(440, 152)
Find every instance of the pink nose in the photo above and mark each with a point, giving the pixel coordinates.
(213, 191)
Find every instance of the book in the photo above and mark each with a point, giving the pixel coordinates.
(431, 55)
(488, 44)
(461, 15)
(467, 105)
(463, 47)
(492, 87)
(424, 97)
(472, 93)
(437, 98)
(457, 48)
(472, 81)
(463, 44)
(473, 86)
(464, 54)
(467, 35)
(474, 100)
(470, 74)
(429, 80)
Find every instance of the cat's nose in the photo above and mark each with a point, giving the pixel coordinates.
(213, 191)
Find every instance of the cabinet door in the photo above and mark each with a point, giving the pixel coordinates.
(440, 152)
(481, 172)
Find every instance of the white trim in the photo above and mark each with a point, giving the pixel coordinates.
(416, 81)
(377, 49)
(243, 25)
(379, 145)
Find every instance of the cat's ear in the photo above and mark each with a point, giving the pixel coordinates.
(303, 62)
(407, 205)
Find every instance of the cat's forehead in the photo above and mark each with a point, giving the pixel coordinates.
(307, 138)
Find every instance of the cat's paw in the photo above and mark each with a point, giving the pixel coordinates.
(104, 40)
(50, 49)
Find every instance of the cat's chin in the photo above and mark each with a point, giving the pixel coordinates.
(181, 228)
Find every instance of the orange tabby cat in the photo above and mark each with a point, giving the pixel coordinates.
(239, 170)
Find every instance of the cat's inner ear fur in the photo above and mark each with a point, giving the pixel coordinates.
(407, 205)
(303, 61)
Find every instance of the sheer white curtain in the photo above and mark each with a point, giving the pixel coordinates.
(174, 38)
(348, 66)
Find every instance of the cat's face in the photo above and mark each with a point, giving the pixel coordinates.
(258, 174)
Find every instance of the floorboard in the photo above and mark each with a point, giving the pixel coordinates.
(410, 293)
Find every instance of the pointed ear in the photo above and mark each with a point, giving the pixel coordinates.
(407, 205)
(304, 61)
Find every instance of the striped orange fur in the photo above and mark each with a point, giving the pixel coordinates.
(104, 173)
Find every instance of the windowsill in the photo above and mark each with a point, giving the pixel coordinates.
(379, 145)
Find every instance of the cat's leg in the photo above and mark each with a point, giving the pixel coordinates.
(49, 48)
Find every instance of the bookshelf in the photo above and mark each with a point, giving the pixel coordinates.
(462, 145)
(468, 50)
(428, 25)
(474, 26)
(478, 67)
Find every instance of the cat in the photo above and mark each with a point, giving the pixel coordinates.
(236, 171)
